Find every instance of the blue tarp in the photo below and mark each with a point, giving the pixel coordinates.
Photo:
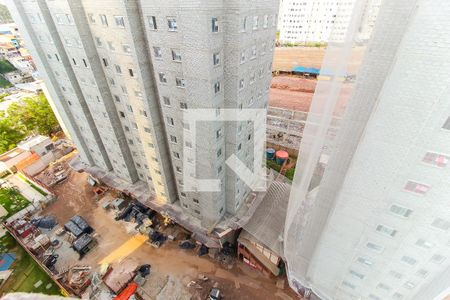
(6, 260)
(315, 71)
(301, 69)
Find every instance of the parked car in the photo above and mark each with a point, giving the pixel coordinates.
(215, 294)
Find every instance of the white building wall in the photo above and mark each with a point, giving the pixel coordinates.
(368, 236)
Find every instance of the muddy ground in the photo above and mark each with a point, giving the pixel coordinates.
(177, 266)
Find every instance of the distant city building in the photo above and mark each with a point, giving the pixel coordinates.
(373, 222)
(122, 74)
(323, 21)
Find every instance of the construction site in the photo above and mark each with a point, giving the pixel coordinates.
(97, 243)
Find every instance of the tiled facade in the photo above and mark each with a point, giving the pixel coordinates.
(123, 72)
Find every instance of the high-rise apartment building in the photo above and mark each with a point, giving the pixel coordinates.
(122, 73)
(303, 21)
(377, 226)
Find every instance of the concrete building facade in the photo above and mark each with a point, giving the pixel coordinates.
(377, 226)
(122, 73)
(323, 21)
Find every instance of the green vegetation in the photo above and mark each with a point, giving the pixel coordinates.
(4, 83)
(29, 116)
(36, 188)
(307, 44)
(290, 173)
(5, 16)
(11, 133)
(2, 97)
(273, 165)
(12, 201)
(6, 66)
(26, 271)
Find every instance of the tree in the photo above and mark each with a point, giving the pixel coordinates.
(5, 16)
(10, 134)
(35, 114)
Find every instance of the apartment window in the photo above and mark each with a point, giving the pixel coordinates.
(422, 273)
(120, 21)
(105, 62)
(104, 20)
(219, 169)
(118, 69)
(409, 260)
(130, 71)
(395, 274)
(375, 247)
(401, 211)
(143, 113)
(59, 19)
(98, 41)
(435, 159)
(74, 61)
(173, 139)
(215, 25)
(172, 23)
(152, 22)
(176, 55)
(176, 154)
(217, 87)
(216, 59)
(219, 152)
(241, 84)
(183, 105)
(170, 121)
(162, 78)
(188, 144)
(138, 93)
(85, 63)
(253, 52)
(166, 101)
(252, 78)
(111, 46)
(424, 244)
(409, 285)
(126, 48)
(134, 125)
(218, 133)
(157, 52)
(130, 109)
(441, 224)
(146, 129)
(244, 24)
(242, 56)
(266, 21)
(124, 89)
(384, 287)
(239, 147)
(446, 124)
(122, 114)
(437, 258)
(179, 82)
(356, 274)
(364, 261)
(195, 200)
(416, 187)
(255, 22)
(68, 41)
(91, 18)
(116, 98)
(386, 230)
(348, 284)
(398, 296)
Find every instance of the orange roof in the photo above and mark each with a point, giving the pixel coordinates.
(27, 161)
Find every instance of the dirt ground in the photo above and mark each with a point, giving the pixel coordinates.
(296, 93)
(178, 266)
(285, 58)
